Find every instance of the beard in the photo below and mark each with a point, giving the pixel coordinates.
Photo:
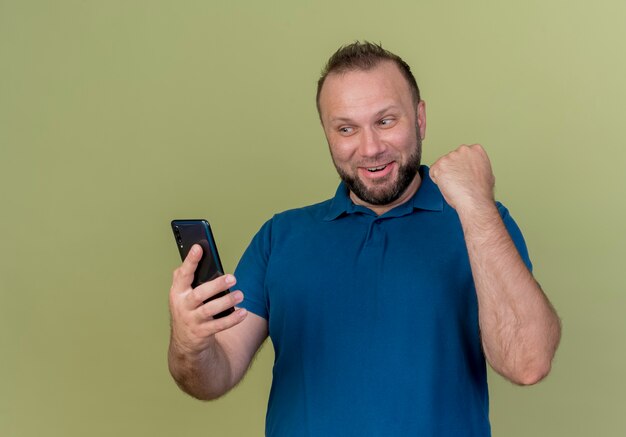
(385, 193)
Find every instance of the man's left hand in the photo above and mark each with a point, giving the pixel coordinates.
(465, 178)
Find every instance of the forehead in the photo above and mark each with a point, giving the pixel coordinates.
(358, 92)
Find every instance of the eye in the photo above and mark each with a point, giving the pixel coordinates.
(386, 122)
(345, 130)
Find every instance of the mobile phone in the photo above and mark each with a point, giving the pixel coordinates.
(190, 232)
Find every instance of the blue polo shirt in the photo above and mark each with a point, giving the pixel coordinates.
(374, 319)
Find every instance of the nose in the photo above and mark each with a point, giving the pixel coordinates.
(371, 144)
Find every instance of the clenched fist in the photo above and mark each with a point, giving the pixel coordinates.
(465, 178)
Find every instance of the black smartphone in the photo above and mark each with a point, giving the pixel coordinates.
(190, 232)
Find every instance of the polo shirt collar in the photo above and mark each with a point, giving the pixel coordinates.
(428, 197)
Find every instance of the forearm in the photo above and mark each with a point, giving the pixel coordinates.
(519, 328)
(204, 375)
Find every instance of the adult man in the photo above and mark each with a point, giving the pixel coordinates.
(380, 301)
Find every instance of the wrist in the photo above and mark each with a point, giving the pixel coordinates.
(476, 210)
(190, 351)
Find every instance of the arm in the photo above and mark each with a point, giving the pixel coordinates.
(520, 330)
(207, 357)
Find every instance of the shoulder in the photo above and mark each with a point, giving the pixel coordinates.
(288, 222)
(302, 215)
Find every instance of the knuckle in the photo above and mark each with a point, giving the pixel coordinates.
(179, 274)
(207, 311)
(195, 298)
(195, 331)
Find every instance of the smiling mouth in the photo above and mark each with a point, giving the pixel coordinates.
(375, 169)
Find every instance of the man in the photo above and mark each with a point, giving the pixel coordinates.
(383, 302)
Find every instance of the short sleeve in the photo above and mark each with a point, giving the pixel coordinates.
(516, 234)
(251, 272)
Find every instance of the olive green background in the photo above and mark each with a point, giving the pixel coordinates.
(117, 116)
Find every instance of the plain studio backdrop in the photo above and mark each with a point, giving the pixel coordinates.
(117, 116)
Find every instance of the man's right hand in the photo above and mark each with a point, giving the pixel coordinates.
(193, 326)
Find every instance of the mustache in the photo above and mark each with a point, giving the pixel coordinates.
(382, 159)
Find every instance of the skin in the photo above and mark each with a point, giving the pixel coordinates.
(520, 330)
(208, 357)
(370, 120)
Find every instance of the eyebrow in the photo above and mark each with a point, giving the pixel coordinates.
(377, 115)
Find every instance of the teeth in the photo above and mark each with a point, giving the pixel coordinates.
(373, 169)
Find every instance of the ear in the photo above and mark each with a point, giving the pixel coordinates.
(421, 118)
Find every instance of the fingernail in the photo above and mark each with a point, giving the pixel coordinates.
(230, 279)
(195, 249)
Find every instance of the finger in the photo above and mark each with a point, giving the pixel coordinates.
(217, 325)
(209, 289)
(216, 306)
(183, 275)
